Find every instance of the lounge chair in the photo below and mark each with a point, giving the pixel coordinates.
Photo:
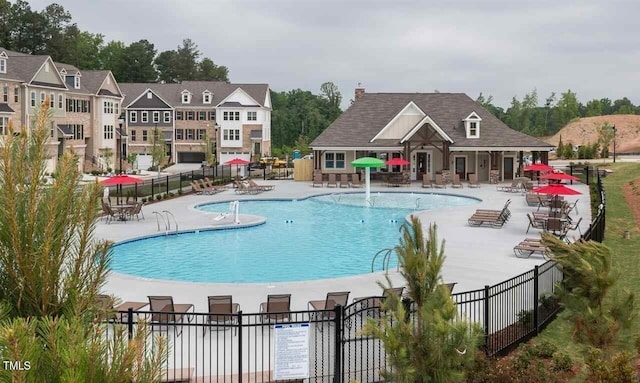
(513, 188)
(198, 189)
(344, 180)
(493, 218)
(261, 187)
(332, 183)
(355, 180)
(223, 311)
(165, 312)
(209, 187)
(426, 181)
(333, 299)
(571, 227)
(245, 188)
(473, 181)
(277, 308)
(534, 223)
(530, 246)
(317, 180)
(439, 181)
(106, 304)
(456, 181)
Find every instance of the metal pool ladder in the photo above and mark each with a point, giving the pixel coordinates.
(165, 220)
(388, 253)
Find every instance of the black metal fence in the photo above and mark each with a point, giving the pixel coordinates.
(240, 347)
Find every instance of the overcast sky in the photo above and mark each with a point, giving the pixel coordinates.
(500, 48)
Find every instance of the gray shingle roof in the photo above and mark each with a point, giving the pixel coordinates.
(359, 124)
(21, 66)
(93, 79)
(5, 108)
(172, 93)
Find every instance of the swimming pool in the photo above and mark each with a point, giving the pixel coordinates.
(319, 237)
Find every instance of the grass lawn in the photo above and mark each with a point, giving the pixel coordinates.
(626, 257)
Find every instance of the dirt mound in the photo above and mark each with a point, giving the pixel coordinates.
(585, 130)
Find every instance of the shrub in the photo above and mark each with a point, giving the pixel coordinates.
(144, 200)
(109, 170)
(180, 192)
(525, 317)
(548, 301)
(561, 362)
(618, 369)
(171, 194)
(543, 349)
(158, 197)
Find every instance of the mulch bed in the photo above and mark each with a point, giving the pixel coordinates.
(633, 198)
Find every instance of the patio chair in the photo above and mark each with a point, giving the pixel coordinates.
(245, 188)
(572, 206)
(277, 308)
(473, 181)
(106, 304)
(532, 199)
(109, 214)
(317, 180)
(333, 299)
(253, 184)
(136, 211)
(165, 312)
(355, 180)
(456, 181)
(223, 311)
(426, 181)
(198, 189)
(440, 181)
(332, 183)
(572, 227)
(209, 187)
(534, 223)
(344, 180)
(515, 186)
(530, 246)
(555, 225)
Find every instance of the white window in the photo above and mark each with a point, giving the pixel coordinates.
(5, 94)
(225, 116)
(33, 98)
(472, 125)
(189, 134)
(334, 160)
(145, 117)
(4, 125)
(60, 101)
(201, 133)
(3, 65)
(108, 107)
(133, 116)
(206, 97)
(156, 117)
(76, 82)
(133, 135)
(108, 132)
(473, 129)
(167, 117)
(43, 97)
(116, 108)
(231, 134)
(52, 100)
(145, 135)
(186, 97)
(237, 114)
(252, 116)
(149, 95)
(179, 134)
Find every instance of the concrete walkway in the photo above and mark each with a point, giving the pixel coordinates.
(476, 256)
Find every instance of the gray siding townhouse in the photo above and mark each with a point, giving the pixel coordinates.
(435, 132)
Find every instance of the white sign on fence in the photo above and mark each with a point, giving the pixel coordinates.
(291, 351)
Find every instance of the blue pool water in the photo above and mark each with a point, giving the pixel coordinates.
(320, 237)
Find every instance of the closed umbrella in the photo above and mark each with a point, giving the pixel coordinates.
(367, 163)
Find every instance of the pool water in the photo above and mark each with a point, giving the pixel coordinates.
(320, 237)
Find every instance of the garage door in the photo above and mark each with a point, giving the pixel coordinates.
(190, 157)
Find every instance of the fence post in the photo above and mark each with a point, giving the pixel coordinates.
(130, 323)
(135, 188)
(167, 185)
(192, 175)
(535, 298)
(337, 370)
(152, 187)
(180, 181)
(239, 346)
(586, 170)
(486, 319)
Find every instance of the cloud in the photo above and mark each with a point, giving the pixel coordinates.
(502, 48)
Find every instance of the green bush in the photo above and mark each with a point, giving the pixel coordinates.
(158, 197)
(179, 191)
(525, 317)
(618, 369)
(171, 194)
(543, 349)
(561, 362)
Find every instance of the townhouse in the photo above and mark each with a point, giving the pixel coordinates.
(84, 107)
(193, 117)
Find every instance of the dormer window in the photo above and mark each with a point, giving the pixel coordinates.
(3, 62)
(63, 72)
(472, 125)
(186, 97)
(149, 95)
(76, 82)
(206, 97)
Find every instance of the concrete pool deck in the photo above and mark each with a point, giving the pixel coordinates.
(475, 256)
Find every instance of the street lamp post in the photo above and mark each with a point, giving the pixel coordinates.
(614, 144)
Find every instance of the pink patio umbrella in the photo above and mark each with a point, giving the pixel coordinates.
(398, 162)
(237, 161)
(561, 176)
(556, 189)
(120, 180)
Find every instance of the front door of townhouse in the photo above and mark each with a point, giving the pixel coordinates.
(508, 168)
(423, 164)
(461, 166)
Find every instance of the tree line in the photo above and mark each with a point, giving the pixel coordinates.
(52, 32)
(528, 116)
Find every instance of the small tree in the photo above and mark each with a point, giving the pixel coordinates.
(605, 137)
(157, 149)
(132, 159)
(107, 156)
(207, 146)
(587, 294)
(560, 149)
(433, 344)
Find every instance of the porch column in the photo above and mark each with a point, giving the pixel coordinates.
(535, 156)
(445, 155)
(476, 162)
(520, 165)
(544, 158)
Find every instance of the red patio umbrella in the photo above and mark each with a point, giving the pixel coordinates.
(561, 176)
(538, 168)
(556, 189)
(398, 162)
(237, 161)
(121, 180)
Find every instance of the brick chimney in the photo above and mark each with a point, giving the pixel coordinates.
(359, 93)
